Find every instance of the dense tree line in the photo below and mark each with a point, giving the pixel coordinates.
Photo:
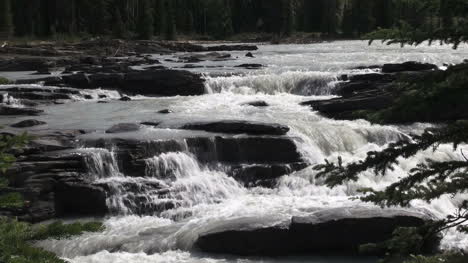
(215, 18)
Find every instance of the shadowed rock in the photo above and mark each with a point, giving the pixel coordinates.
(4, 110)
(164, 83)
(337, 231)
(239, 127)
(258, 103)
(407, 66)
(123, 127)
(27, 123)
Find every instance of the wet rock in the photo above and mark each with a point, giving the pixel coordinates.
(46, 96)
(263, 175)
(232, 48)
(49, 81)
(212, 56)
(79, 80)
(154, 68)
(372, 77)
(150, 123)
(258, 103)
(28, 123)
(191, 66)
(257, 150)
(88, 97)
(407, 66)
(250, 66)
(338, 231)
(93, 60)
(26, 64)
(344, 108)
(106, 80)
(249, 55)
(165, 111)
(102, 102)
(367, 67)
(164, 83)
(80, 198)
(123, 127)
(125, 98)
(238, 127)
(4, 110)
(43, 71)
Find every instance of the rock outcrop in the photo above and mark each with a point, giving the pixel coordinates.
(238, 127)
(335, 231)
(28, 123)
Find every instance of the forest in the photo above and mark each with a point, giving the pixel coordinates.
(210, 19)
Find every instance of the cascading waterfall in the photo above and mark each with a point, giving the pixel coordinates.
(198, 198)
(11, 101)
(101, 163)
(299, 83)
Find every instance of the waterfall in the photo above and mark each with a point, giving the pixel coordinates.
(101, 163)
(180, 190)
(11, 101)
(306, 83)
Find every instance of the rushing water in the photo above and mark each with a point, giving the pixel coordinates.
(207, 197)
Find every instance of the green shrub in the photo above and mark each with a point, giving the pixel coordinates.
(59, 230)
(4, 81)
(16, 237)
(11, 200)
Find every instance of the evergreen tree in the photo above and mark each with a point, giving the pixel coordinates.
(118, 27)
(170, 30)
(6, 22)
(145, 21)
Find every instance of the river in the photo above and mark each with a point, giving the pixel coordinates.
(209, 198)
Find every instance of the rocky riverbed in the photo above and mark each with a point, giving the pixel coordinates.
(215, 157)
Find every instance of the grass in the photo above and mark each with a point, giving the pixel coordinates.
(16, 239)
(11, 200)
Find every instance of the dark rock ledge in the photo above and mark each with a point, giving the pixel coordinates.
(327, 231)
(238, 127)
(369, 92)
(150, 82)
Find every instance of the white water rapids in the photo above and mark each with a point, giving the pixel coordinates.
(208, 197)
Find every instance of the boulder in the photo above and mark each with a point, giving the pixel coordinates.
(46, 96)
(150, 123)
(258, 103)
(79, 80)
(212, 56)
(123, 127)
(334, 230)
(165, 111)
(80, 198)
(232, 48)
(107, 80)
(238, 127)
(408, 66)
(27, 123)
(164, 83)
(125, 98)
(264, 175)
(256, 150)
(250, 66)
(249, 55)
